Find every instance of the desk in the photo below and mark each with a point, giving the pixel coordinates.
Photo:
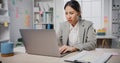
(21, 57)
(106, 40)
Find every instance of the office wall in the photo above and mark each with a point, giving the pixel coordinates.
(108, 15)
(58, 13)
(21, 16)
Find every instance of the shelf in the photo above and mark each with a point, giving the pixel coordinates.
(46, 23)
(5, 40)
(42, 23)
(48, 12)
(2, 11)
(115, 22)
(43, 0)
(37, 24)
(38, 12)
(115, 9)
(4, 19)
(43, 12)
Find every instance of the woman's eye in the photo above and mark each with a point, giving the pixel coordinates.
(66, 13)
(71, 13)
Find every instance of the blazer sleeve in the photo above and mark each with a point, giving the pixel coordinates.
(59, 35)
(90, 40)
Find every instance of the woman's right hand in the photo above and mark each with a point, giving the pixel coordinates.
(65, 48)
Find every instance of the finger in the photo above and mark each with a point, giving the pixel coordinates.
(65, 50)
(68, 49)
(62, 50)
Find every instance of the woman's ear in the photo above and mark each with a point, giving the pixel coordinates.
(79, 14)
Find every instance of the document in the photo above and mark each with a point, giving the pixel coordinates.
(89, 57)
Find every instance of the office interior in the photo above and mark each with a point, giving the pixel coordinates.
(37, 14)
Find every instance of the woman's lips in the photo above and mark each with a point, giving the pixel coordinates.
(69, 20)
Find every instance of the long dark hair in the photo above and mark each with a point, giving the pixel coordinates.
(75, 5)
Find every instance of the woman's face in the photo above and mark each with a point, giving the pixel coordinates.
(71, 15)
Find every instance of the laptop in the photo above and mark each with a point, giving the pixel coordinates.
(41, 42)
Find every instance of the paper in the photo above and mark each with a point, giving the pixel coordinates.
(105, 19)
(92, 57)
(17, 13)
(26, 11)
(5, 24)
(27, 20)
(21, 0)
(41, 12)
(13, 2)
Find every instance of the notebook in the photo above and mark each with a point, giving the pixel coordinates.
(89, 57)
(41, 42)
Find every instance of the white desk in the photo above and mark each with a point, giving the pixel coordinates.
(105, 36)
(105, 40)
(21, 57)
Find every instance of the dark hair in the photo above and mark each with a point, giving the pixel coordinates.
(75, 5)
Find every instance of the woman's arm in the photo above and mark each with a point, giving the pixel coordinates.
(90, 40)
(59, 35)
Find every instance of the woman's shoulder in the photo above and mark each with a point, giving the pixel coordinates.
(86, 22)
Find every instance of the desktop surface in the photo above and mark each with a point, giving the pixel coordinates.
(22, 57)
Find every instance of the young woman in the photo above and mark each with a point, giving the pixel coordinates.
(75, 34)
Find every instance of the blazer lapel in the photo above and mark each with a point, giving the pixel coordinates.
(81, 31)
(66, 33)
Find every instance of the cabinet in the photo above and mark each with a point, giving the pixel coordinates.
(43, 14)
(116, 18)
(2, 9)
(4, 21)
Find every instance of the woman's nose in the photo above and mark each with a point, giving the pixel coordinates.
(68, 16)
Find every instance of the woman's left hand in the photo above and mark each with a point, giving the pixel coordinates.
(66, 48)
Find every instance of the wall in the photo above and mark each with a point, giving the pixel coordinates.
(108, 14)
(21, 16)
(58, 13)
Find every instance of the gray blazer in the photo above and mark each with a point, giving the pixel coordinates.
(87, 35)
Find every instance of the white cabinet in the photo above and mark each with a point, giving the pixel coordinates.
(4, 21)
(111, 9)
(116, 18)
(2, 7)
(43, 13)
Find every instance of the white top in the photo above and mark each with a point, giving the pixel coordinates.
(73, 35)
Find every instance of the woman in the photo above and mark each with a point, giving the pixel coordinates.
(75, 34)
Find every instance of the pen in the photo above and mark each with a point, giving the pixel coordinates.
(80, 61)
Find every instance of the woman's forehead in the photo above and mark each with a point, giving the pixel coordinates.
(69, 8)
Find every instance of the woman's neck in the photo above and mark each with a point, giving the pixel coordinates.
(74, 23)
